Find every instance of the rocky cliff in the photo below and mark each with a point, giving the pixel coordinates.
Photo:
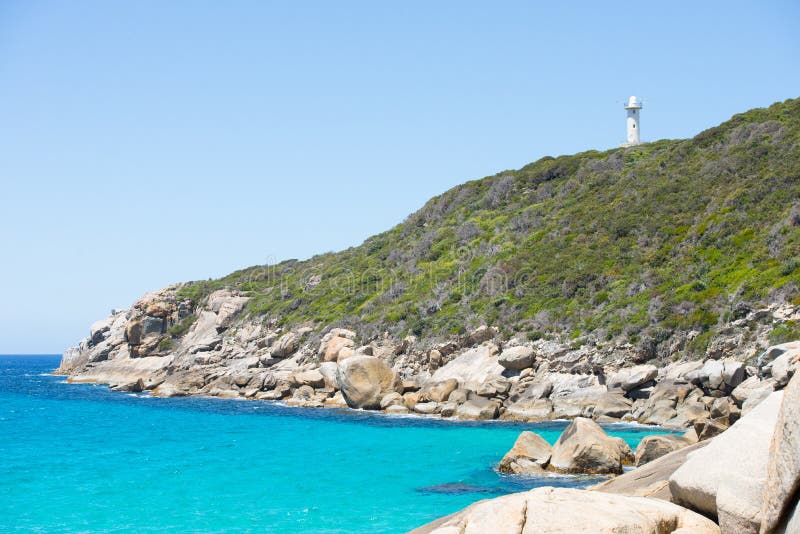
(645, 283)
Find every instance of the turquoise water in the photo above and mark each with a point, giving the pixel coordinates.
(79, 457)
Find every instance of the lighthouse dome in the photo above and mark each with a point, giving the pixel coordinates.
(634, 102)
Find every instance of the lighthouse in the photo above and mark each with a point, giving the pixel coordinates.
(633, 106)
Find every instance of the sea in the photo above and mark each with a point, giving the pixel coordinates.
(78, 457)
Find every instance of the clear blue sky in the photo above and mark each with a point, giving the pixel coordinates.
(151, 142)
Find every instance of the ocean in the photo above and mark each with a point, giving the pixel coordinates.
(82, 458)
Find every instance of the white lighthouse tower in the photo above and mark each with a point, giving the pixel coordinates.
(633, 106)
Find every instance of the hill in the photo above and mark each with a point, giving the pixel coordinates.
(632, 245)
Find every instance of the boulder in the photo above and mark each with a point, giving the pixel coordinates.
(286, 345)
(780, 511)
(517, 358)
(438, 391)
(328, 371)
(426, 408)
(611, 405)
(783, 367)
(471, 368)
(364, 380)
(722, 375)
(311, 378)
(651, 479)
(479, 335)
(396, 409)
(494, 386)
(551, 510)
(757, 395)
(529, 410)
(337, 401)
(745, 389)
(656, 446)
(584, 447)
(632, 377)
(478, 408)
(392, 399)
(529, 455)
(332, 346)
(448, 409)
(727, 478)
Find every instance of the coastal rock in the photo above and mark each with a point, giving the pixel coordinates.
(438, 391)
(332, 346)
(584, 447)
(426, 408)
(758, 395)
(494, 386)
(529, 455)
(328, 372)
(392, 399)
(286, 345)
(516, 358)
(479, 335)
(652, 478)
(311, 378)
(551, 510)
(780, 511)
(364, 380)
(745, 389)
(656, 446)
(529, 410)
(726, 479)
(478, 408)
(611, 405)
(471, 368)
(632, 377)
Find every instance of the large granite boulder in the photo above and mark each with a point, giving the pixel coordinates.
(611, 404)
(632, 377)
(438, 391)
(565, 510)
(651, 479)
(364, 380)
(727, 478)
(478, 408)
(337, 345)
(779, 362)
(529, 410)
(517, 358)
(584, 447)
(471, 368)
(286, 345)
(721, 375)
(658, 445)
(780, 511)
(529, 455)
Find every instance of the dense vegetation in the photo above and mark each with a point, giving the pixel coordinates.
(631, 243)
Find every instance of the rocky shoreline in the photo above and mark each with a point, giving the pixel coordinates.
(733, 397)
(743, 481)
(171, 347)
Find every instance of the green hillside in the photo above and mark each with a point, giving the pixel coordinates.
(629, 243)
